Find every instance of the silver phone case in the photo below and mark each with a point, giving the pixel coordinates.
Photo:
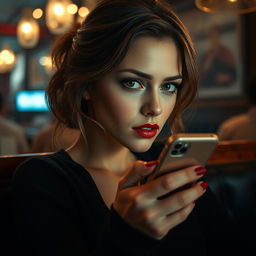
(185, 149)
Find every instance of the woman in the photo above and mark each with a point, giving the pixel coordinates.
(128, 70)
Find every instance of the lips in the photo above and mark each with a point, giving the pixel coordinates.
(146, 130)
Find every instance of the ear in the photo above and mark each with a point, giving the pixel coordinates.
(86, 95)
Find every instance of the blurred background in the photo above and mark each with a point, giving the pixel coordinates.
(28, 29)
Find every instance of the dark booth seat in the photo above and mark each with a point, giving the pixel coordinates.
(231, 173)
(234, 184)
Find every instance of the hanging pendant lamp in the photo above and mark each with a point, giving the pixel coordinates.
(7, 59)
(58, 19)
(28, 30)
(226, 6)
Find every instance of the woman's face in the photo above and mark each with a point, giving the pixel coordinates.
(134, 101)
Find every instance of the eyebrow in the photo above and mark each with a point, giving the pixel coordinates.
(147, 76)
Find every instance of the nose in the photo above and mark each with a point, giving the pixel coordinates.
(152, 105)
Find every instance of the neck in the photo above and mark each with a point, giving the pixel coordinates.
(102, 152)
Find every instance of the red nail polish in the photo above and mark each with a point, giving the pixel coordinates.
(204, 185)
(152, 163)
(200, 171)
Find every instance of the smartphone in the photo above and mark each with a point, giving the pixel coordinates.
(183, 150)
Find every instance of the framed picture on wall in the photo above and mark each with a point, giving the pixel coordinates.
(217, 41)
(38, 72)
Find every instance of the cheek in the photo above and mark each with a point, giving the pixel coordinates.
(126, 103)
(114, 105)
(168, 106)
(120, 108)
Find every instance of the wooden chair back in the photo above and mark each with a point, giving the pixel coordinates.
(234, 151)
(8, 164)
(226, 152)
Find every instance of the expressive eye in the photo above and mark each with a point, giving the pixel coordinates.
(132, 83)
(169, 88)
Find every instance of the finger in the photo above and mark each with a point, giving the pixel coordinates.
(139, 170)
(179, 216)
(181, 199)
(172, 181)
(177, 201)
(167, 223)
(177, 165)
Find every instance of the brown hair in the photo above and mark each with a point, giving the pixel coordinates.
(83, 55)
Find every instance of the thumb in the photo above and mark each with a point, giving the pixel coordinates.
(138, 171)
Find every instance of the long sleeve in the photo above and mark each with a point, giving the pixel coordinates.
(51, 220)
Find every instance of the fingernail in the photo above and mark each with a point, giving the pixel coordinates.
(200, 171)
(204, 185)
(152, 163)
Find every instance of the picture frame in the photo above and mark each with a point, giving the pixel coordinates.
(217, 41)
(38, 74)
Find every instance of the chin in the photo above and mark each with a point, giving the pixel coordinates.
(141, 147)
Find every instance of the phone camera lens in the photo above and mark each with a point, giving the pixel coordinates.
(174, 152)
(183, 150)
(178, 145)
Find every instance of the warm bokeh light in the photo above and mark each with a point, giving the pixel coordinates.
(7, 56)
(26, 27)
(37, 13)
(58, 19)
(58, 9)
(72, 8)
(83, 11)
(7, 60)
(46, 61)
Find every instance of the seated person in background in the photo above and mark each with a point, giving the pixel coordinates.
(218, 66)
(12, 136)
(243, 126)
(49, 141)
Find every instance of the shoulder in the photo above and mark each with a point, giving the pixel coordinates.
(46, 131)
(40, 169)
(232, 122)
(10, 126)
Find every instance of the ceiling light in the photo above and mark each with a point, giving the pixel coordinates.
(7, 59)
(58, 19)
(28, 30)
(227, 6)
(37, 13)
(72, 8)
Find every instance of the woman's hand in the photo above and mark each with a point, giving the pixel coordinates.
(140, 206)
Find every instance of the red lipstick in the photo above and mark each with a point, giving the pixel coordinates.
(146, 130)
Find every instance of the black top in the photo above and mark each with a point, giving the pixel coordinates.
(59, 211)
